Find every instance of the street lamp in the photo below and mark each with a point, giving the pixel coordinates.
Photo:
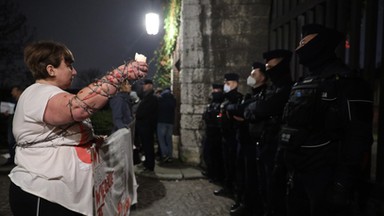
(152, 23)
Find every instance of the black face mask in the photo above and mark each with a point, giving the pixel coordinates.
(279, 73)
(315, 52)
(217, 96)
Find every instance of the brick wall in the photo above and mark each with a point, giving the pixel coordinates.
(216, 37)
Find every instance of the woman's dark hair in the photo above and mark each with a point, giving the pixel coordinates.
(38, 55)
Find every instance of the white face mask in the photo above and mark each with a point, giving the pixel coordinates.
(251, 81)
(227, 88)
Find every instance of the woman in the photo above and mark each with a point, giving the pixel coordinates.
(53, 173)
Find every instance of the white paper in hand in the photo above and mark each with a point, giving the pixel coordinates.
(140, 57)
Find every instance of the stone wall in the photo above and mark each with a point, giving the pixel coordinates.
(216, 37)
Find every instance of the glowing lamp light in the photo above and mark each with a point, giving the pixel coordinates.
(152, 23)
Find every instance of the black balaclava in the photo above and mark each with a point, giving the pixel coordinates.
(279, 74)
(217, 97)
(259, 65)
(321, 48)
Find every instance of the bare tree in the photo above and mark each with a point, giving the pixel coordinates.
(14, 34)
(85, 77)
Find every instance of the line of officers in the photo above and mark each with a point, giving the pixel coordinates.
(296, 149)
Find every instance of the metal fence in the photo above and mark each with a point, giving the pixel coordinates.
(363, 23)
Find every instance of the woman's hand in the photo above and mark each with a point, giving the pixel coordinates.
(134, 70)
(99, 140)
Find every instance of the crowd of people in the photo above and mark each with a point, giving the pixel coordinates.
(155, 117)
(291, 148)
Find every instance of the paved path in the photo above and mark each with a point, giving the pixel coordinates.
(192, 197)
(4, 186)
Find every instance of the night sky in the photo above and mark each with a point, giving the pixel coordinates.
(100, 33)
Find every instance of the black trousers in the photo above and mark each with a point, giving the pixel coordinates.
(240, 174)
(252, 198)
(312, 193)
(213, 158)
(146, 135)
(25, 204)
(229, 159)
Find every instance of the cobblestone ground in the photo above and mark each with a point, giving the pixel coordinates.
(176, 198)
(4, 205)
(179, 198)
(160, 198)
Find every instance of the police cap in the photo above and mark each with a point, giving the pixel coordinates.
(277, 53)
(231, 77)
(148, 81)
(331, 37)
(259, 65)
(217, 86)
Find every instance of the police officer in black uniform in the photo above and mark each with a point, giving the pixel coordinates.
(229, 130)
(246, 193)
(265, 115)
(250, 136)
(212, 144)
(327, 128)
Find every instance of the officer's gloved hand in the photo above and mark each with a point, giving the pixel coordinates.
(341, 196)
(252, 106)
(248, 112)
(231, 108)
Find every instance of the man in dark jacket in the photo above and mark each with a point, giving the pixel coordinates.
(146, 120)
(212, 143)
(266, 113)
(229, 128)
(165, 121)
(327, 130)
(250, 138)
(246, 158)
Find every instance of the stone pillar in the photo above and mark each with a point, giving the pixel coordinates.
(216, 37)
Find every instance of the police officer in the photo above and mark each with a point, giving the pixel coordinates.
(244, 152)
(327, 130)
(212, 144)
(251, 136)
(229, 130)
(268, 113)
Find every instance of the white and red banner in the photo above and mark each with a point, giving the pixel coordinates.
(115, 186)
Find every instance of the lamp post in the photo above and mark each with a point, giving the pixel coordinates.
(152, 23)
